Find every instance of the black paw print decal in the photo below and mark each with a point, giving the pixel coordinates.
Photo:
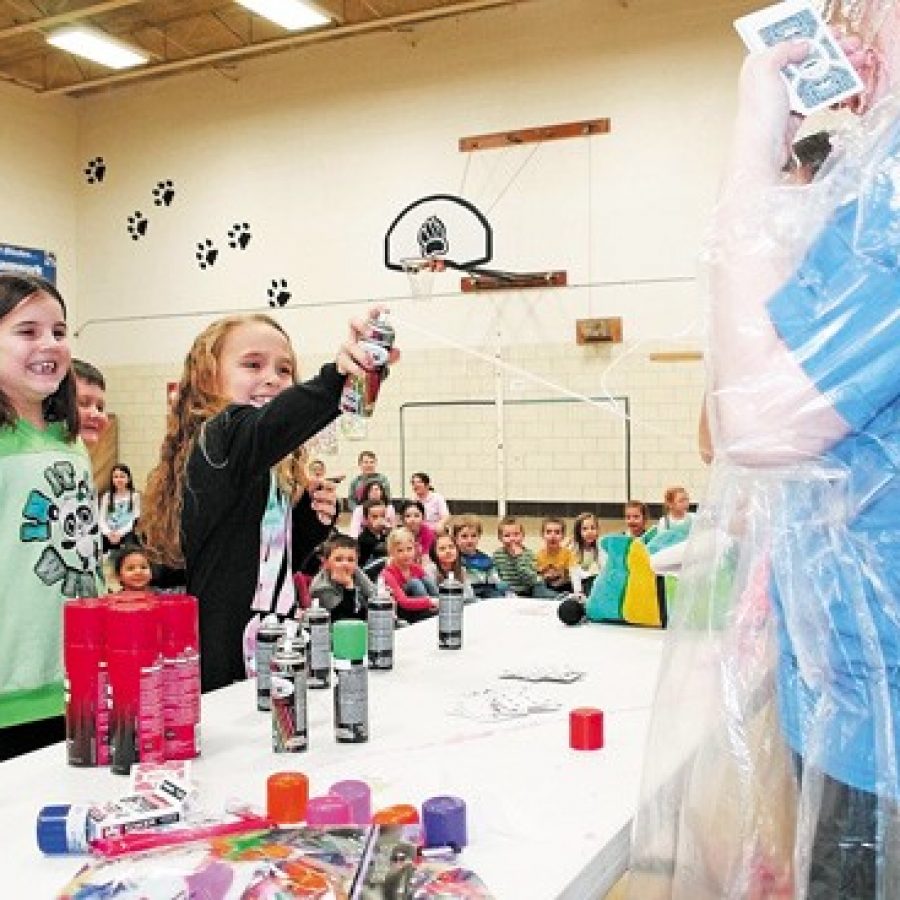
(95, 170)
(278, 292)
(239, 235)
(164, 193)
(137, 225)
(432, 238)
(206, 254)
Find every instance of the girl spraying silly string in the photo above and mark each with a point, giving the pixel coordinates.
(51, 551)
(219, 502)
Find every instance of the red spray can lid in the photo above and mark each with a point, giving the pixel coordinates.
(84, 622)
(180, 627)
(133, 625)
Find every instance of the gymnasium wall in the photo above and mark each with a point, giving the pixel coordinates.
(38, 179)
(315, 152)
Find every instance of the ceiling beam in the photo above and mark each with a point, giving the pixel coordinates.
(64, 18)
(288, 42)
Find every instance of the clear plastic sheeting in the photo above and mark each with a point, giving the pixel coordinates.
(772, 763)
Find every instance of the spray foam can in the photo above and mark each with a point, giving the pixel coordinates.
(318, 625)
(270, 632)
(450, 613)
(381, 629)
(361, 391)
(290, 730)
(134, 653)
(181, 676)
(86, 682)
(351, 684)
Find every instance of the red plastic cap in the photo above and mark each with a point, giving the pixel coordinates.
(132, 624)
(84, 622)
(586, 728)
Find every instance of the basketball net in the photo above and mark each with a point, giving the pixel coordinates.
(420, 272)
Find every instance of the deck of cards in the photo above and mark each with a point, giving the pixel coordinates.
(826, 77)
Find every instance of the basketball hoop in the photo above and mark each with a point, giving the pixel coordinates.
(420, 272)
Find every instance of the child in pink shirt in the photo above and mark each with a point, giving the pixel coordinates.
(413, 591)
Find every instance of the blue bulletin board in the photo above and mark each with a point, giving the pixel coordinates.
(29, 260)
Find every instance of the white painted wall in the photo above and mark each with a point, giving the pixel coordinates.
(38, 173)
(318, 149)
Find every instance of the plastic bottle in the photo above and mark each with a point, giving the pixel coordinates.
(451, 603)
(351, 684)
(361, 391)
(318, 624)
(271, 630)
(381, 628)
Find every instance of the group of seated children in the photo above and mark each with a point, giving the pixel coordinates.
(411, 557)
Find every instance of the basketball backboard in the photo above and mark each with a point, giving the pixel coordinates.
(441, 227)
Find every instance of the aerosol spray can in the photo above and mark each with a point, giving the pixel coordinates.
(318, 624)
(361, 391)
(134, 654)
(450, 613)
(181, 676)
(86, 682)
(290, 732)
(270, 632)
(351, 684)
(381, 629)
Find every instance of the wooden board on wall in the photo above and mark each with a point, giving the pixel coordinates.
(105, 454)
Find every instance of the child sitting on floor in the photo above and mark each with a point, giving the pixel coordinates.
(372, 547)
(412, 517)
(341, 587)
(445, 562)
(515, 562)
(588, 553)
(486, 583)
(555, 562)
(132, 567)
(372, 490)
(413, 591)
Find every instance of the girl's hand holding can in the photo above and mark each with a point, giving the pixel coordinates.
(354, 357)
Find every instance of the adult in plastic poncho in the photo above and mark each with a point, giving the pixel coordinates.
(772, 764)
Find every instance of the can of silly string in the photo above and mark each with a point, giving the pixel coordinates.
(381, 629)
(351, 682)
(270, 632)
(318, 624)
(290, 732)
(450, 613)
(361, 391)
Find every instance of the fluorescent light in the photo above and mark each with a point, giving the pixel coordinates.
(290, 14)
(97, 46)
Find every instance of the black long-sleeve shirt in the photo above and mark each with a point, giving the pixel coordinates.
(225, 497)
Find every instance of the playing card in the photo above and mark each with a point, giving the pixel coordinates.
(826, 76)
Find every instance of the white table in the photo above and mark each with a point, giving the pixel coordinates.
(544, 821)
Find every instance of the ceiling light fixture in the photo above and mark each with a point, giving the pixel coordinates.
(293, 15)
(97, 46)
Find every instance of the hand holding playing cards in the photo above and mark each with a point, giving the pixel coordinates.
(765, 125)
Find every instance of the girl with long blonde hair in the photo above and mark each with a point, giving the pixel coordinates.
(220, 500)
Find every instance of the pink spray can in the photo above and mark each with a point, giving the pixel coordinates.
(86, 682)
(181, 676)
